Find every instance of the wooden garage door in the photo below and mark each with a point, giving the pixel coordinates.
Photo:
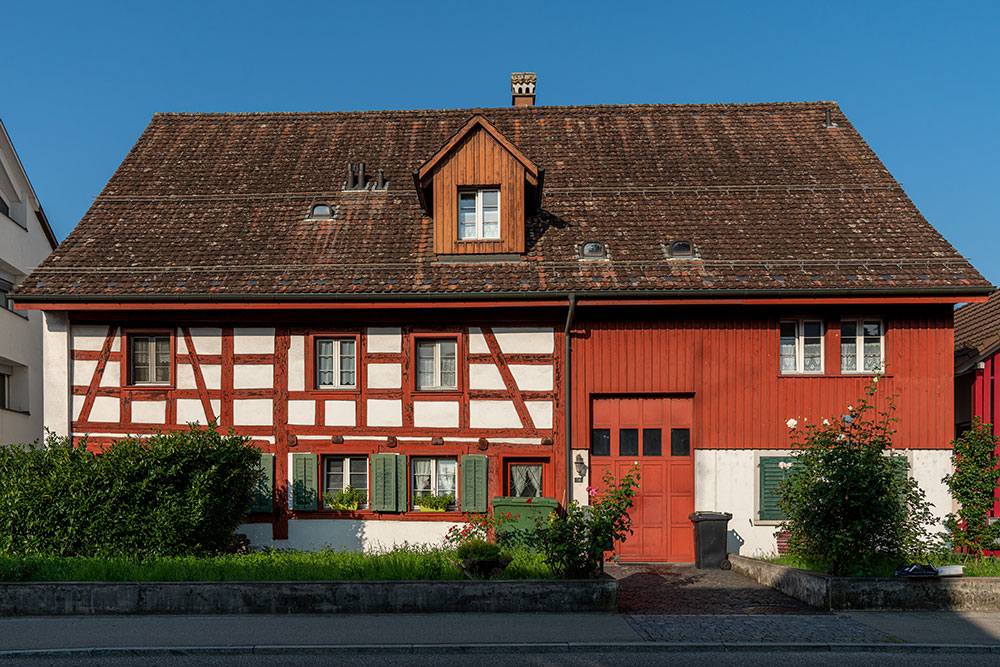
(656, 433)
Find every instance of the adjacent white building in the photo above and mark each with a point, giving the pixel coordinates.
(25, 240)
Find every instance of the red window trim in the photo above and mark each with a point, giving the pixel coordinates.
(548, 482)
(415, 340)
(126, 359)
(311, 381)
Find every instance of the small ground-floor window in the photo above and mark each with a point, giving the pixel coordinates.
(524, 480)
(343, 472)
(434, 477)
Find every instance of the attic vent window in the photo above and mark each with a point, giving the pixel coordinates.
(593, 249)
(681, 249)
(321, 211)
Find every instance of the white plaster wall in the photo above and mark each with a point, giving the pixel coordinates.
(83, 371)
(106, 409)
(435, 413)
(297, 364)
(726, 481)
(56, 362)
(385, 412)
(385, 376)
(493, 414)
(252, 412)
(525, 340)
(89, 336)
(253, 376)
(207, 340)
(348, 534)
(149, 412)
(340, 413)
(302, 413)
(541, 413)
(532, 377)
(112, 374)
(253, 340)
(190, 410)
(485, 376)
(385, 340)
(580, 488)
(212, 373)
(185, 377)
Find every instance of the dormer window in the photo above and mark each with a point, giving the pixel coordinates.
(681, 249)
(321, 211)
(478, 214)
(592, 250)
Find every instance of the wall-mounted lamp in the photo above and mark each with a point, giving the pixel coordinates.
(581, 467)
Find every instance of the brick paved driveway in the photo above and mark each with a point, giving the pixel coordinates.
(681, 589)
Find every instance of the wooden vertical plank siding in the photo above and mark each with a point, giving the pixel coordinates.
(478, 160)
(731, 368)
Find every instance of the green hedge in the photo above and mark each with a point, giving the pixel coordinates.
(170, 494)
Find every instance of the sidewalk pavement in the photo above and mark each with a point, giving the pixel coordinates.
(405, 633)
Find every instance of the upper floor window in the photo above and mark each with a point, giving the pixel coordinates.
(862, 346)
(478, 214)
(149, 359)
(5, 290)
(335, 363)
(437, 364)
(801, 346)
(4, 391)
(4, 208)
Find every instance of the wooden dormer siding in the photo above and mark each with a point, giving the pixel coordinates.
(479, 157)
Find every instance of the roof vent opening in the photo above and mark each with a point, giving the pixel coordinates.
(681, 248)
(321, 212)
(593, 250)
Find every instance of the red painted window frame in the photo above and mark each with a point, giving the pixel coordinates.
(460, 362)
(126, 359)
(311, 381)
(548, 482)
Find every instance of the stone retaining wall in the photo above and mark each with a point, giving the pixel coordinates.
(306, 597)
(850, 593)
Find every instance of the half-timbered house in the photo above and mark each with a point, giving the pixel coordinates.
(504, 302)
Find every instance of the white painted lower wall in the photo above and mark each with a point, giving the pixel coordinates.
(348, 534)
(725, 480)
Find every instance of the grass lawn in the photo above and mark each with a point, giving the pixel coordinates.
(400, 564)
(984, 567)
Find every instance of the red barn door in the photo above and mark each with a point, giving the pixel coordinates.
(654, 432)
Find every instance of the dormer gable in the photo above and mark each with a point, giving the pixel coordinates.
(479, 190)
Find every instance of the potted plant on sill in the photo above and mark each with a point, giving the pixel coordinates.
(348, 499)
(430, 503)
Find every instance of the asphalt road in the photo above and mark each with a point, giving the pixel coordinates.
(713, 658)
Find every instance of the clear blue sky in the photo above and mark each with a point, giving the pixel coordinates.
(79, 81)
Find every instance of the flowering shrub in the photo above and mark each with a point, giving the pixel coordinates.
(850, 506)
(574, 543)
(972, 484)
(479, 527)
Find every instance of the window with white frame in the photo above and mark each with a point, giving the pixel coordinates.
(341, 472)
(478, 214)
(149, 359)
(434, 477)
(801, 346)
(437, 364)
(862, 346)
(335, 363)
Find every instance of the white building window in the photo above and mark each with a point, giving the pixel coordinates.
(437, 365)
(801, 346)
(340, 472)
(336, 363)
(478, 214)
(149, 359)
(434, 477)
(862, 346)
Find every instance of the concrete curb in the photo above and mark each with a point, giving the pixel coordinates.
(556, 647)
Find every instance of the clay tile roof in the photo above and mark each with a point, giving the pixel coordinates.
(977, 327)
(215, 206)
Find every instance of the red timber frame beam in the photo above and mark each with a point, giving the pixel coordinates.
(95, 380)
(199, 378)
(508, 378)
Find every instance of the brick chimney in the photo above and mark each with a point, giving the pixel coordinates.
(522, 89)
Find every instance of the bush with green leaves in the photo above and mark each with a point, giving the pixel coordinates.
(574, 543)
(973, 484)
(851, 507)
(169, 494)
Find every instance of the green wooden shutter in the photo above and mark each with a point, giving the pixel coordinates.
(305, 491)
(473, 473)
(264, 495)
(772, 474)
(388, 483)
